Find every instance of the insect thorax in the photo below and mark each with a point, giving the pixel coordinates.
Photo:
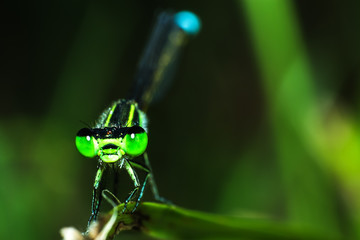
(122, 113)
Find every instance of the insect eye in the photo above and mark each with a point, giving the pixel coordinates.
(86, 143)
(135, 141)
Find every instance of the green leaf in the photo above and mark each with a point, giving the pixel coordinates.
(171, 222)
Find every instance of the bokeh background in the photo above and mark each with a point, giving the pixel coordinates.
(262, 119)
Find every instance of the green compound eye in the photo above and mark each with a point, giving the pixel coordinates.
(86, 143)
(135, 141)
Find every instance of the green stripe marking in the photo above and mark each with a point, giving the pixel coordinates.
(110, 115)
(131, 115)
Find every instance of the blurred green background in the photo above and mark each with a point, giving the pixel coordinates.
(262, 119)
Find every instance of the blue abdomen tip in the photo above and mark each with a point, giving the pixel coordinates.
(188, 22)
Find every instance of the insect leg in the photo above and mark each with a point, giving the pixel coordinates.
(96, 198)
(154, 188)
(135, 179)
(141, 192)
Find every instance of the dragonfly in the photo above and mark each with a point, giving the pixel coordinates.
(119, 138)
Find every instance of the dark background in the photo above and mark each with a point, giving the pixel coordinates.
(230, 136)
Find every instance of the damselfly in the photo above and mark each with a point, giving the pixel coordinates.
(119, 138)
